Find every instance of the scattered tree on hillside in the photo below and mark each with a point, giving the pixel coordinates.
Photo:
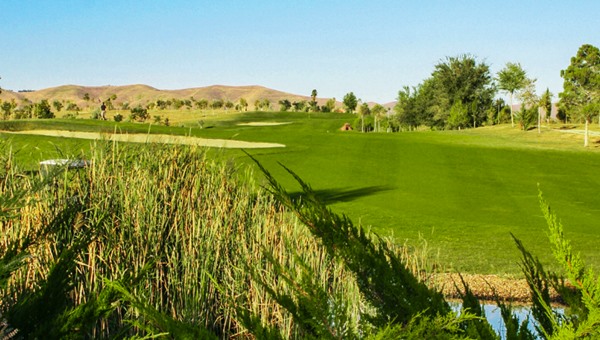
(161, 104)
(244, 104)
(7, 108)
(228, 105)
(581, 87)
(139, 114)
(284, 105)
(216, 104)
(299, 105)
(86, 97)
(202, 104)
(42, 110)
(350, 102)
(57, 105)
(511, 79)
(262, 104)
(177, 103)
(265, 104)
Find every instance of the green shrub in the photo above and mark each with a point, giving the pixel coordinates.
(96, 114)
(139, 114)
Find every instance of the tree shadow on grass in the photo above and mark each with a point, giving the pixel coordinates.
(335, 195)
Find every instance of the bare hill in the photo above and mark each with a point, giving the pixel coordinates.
(85, 96)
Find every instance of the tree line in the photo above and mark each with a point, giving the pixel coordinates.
(461, 93)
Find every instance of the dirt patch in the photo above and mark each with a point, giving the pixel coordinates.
(484, 287)
(264, 123)
(153, 138)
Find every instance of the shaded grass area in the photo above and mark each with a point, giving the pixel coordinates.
(463, 191)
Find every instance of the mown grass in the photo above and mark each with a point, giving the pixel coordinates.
(463, 191)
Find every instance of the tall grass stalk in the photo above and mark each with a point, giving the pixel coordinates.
(186, 226)
(172, 208)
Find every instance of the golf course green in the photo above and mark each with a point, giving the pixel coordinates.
(463, 192)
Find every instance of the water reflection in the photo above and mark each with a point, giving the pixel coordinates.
(492, 314)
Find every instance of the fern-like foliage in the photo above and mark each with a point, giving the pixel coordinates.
(539, 285)
(384, 280)
(477, 328)
(582, 297)
(587, 323)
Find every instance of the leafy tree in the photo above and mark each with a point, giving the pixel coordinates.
(217, 104)
(42, 110)
(313, 101)
(463, 79)
(265, 104)
(561, 114)
(405, 108)
(244, 104)
(161, 104)
(459, 116)
(284, 105)
(511, 79)
(7, 107)
(202, 104)
(546, 103)
(72, 107)
(139, 114)
(581, 86)
(299, 105)
(330, 105)
(86, 97)
(530, 102)
(57, 105)
(350, 102)
(177, 103)
(378, 112)
(363, 110)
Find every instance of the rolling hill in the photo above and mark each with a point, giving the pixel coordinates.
(143, 94)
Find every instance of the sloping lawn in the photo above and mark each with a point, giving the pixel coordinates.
(464, 192)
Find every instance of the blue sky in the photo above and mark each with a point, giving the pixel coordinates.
(372, 48)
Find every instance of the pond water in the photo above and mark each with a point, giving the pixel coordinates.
(492, 314)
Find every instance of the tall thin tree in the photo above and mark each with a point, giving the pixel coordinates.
(511, 79)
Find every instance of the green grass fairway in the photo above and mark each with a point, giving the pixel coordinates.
(462, 191)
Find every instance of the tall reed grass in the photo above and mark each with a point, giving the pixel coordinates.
(191, 236)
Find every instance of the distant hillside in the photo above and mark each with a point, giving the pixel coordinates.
(144, 94)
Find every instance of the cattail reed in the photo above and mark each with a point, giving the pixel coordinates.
(182, 229)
